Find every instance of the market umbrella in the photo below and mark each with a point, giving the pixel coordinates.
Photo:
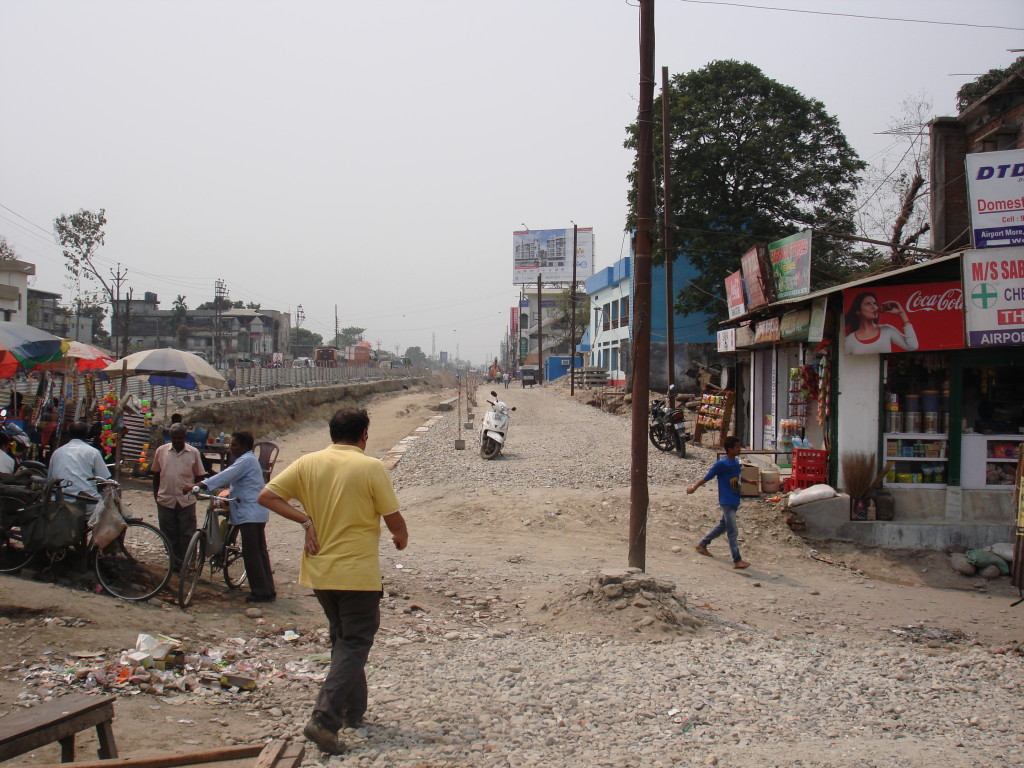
(26, 346)
(168, 367)
(82, 356)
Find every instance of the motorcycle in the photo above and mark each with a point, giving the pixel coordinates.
(494, 428)
(668, 428)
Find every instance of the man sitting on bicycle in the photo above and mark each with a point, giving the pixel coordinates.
(77, 463)
(246, 479)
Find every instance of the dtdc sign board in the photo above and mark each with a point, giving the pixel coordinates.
(995, 183)
(994, 296)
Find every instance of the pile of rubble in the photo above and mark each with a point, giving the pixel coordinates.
(627, 598)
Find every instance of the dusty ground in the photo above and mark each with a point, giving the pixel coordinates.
(509, 552)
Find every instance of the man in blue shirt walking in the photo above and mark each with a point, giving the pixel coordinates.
(727, 471)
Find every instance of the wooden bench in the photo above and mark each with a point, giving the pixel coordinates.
(59, 720)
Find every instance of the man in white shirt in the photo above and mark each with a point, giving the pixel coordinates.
(76, 462)
(176, 466)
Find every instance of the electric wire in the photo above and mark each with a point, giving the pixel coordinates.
(854, 15)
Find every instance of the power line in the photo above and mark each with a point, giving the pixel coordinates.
(854, 15)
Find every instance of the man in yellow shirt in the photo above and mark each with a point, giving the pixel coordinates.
(344, 494)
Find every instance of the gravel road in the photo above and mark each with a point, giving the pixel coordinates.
(513, 636)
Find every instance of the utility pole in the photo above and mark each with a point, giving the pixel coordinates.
(572, 321)
(540, 334)
(115, 310)
(299, 317)
(670, 315)
(638, 491)
(220, 297)
(336, 332)
(126, 317)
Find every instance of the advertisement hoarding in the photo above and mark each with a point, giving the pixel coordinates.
(903, 318)
(513, 321)
(726, 340)
(755, 275)
(995, 185)
(791, 265)
(546, 253)
(994, 296)
(734, 294)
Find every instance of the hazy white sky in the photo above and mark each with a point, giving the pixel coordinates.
(377, 156)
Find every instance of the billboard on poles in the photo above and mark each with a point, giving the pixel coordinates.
(995, 184)
(734, 294)
(547, 254)
(994, 296)
(791, 265)
(754, 265)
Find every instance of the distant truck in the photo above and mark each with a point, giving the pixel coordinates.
(325, 357)
(358, 354)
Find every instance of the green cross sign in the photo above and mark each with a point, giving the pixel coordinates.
(983, 296)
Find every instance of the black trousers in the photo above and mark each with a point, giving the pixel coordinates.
(353, 618)
(177, 524)
(257, 559)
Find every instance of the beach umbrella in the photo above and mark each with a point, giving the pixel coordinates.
(168, 367)
(81, 357)
(27, 346)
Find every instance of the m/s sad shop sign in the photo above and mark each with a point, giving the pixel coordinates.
(994, 296)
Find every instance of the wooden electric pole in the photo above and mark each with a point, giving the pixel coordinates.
(638, 491)
(540, 334)
(666, 239)
(572, 321)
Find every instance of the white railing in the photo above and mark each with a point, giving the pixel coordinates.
(246, 380)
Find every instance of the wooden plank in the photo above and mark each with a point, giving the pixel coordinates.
(218, 755)
(57, 720)
(280, 754)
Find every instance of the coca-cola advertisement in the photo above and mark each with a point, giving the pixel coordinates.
(903, 318)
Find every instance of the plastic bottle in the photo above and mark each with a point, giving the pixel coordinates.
(220, 438)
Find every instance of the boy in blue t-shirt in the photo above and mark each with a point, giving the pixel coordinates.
(727, 471)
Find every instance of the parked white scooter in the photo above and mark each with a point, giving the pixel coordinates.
(493, 428)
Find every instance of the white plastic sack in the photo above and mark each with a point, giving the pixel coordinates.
(106, 520)
(814, 493)
(1003, 549)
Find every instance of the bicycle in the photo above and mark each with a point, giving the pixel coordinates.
(227, 557)
(137, 564)
(134, 566)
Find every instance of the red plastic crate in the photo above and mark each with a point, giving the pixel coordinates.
(794, 483)
(815, 477)
(809, 458)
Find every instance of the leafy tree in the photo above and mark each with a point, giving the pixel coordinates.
(253, 305)
(97, 313)
(560, 327)
(416, 356)
(971, 92)
(221, 302)
(300, 337)
(80, 235)
(7, 252)
(751, 160)
(348, 336)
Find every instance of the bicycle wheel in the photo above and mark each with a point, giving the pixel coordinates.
(137, 564)
(234, 565)
(13, 555)
(191, 569)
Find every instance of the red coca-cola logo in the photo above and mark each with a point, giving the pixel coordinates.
(950, 299)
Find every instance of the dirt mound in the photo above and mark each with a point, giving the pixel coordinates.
(617, 602)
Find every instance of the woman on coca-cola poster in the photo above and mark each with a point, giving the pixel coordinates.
(866, 336)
